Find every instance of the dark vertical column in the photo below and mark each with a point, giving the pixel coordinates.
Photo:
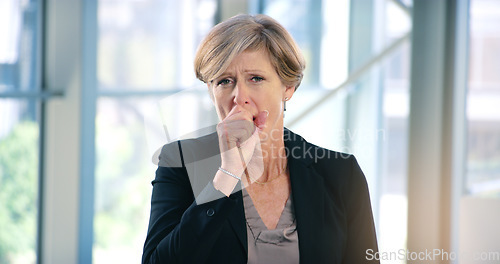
(436, 146)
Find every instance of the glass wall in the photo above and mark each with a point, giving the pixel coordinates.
(395, 77)
(19, 157)
(368, 115)
(479, 236)
(483, 112)
(19, 130)
(147, 95)
(19, 29)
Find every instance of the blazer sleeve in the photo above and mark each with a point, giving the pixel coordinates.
(361, 237)
(182, 230)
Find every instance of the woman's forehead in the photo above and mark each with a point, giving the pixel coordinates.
(251, 60)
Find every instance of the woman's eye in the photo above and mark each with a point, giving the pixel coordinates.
(224, 82)
(257, 79)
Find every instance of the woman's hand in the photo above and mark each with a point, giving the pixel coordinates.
(239, 142)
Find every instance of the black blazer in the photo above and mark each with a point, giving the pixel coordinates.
(191, 222)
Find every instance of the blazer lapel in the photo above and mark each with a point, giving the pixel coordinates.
(307, 192)
(206, 158)
(238, 222)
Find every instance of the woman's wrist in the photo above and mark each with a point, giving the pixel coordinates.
(224, 182)
(230, 174)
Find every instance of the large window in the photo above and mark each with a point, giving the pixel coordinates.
(145, 57)
(480, 198)
(20, 100)
(358, 56)
(483, 113)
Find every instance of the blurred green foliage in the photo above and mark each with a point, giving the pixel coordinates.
(18, 191)
(123, 178)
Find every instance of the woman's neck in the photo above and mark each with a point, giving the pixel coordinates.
(274, 156)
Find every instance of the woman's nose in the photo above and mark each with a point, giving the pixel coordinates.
(241, 94)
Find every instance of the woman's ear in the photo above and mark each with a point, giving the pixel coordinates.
(289, 91)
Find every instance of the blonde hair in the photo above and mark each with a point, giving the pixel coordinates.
(246, 32)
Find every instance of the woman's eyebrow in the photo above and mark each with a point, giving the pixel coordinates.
(224, 75)
(254, 71)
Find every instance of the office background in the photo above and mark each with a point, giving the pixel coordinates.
(90, 89)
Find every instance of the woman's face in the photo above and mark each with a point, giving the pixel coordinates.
(251, 82)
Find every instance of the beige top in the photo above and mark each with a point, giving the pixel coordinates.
(280, 245)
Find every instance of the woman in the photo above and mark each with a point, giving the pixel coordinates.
(255, 192)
